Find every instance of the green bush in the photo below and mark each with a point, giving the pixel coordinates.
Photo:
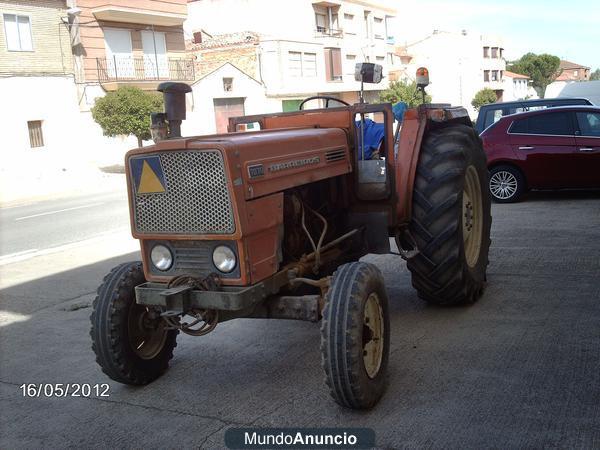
(483, 97)
(401, 91)
(127, 111)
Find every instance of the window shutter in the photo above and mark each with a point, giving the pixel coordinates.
(328, 64)
(336, 58)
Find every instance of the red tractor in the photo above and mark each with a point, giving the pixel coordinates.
(271, 224)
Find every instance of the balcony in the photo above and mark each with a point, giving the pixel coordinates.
(329, 32)
(150, 12)
(145, 71)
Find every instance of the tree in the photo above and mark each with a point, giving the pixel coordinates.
(595, 75)
(127, 111)
(401, 91)
(542, 69)
(483, 97)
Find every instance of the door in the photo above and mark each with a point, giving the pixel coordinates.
(119, 54)
(226, 108)
(545, 142)
(156, 64)
(587, 137)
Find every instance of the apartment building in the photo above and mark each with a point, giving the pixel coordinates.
(459, 63)
(36, 82)
(120, 42)
(296, 49)
(58, 56)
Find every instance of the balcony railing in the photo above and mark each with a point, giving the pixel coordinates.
(328, 32)
(146, 68)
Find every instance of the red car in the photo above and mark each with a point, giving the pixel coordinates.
(546, 149)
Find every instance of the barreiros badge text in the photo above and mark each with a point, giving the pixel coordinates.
(299, 438)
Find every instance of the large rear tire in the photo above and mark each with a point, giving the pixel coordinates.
(355, 336)
(451, 217)
(132, 344)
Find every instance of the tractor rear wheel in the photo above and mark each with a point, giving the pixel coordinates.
(132, 344)
(355, 336)
(451, 217)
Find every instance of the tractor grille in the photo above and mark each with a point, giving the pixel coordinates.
(196, 199)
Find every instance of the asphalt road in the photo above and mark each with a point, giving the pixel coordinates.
(519, 369)
(25, 230)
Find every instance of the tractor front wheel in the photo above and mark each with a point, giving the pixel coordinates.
(355, 336)
(451, 217)
(131, 342)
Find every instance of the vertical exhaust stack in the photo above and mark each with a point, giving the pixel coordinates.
(170, 120)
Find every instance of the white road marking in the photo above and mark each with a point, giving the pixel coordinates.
(91, 205)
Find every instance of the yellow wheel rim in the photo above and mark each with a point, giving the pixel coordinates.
(472, 216)
(372, 339)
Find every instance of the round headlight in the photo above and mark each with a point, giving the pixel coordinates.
(161, 257)
(224, 258)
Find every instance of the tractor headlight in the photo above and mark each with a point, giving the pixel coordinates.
(224, 259)
(161, 257)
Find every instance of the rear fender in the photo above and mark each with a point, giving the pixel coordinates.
(416, 122)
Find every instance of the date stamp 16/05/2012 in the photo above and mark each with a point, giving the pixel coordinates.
(40, 390)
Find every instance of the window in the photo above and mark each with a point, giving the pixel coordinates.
(18, 33)
(367, 27)
(589, 123)
(348, 17)
(302, 64)
(36, 137)
(556, 123)
(321, 20)
(519, 126)
(494, 52)
(333, 64)
(295, 64)
(391, 59)
(494, 75)
(501, 75)
(501, 53)
(486, 52)
(379, 27)
(486, 75)
(575, 73)
(228, 84)
(380, 59)
(309, 64)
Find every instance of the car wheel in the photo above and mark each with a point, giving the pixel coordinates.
(506, 184)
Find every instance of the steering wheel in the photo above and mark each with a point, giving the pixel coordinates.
(322, 97)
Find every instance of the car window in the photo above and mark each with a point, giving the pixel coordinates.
(490, 117)
(558, 123)
(517, 110)
(519, 126)
(589, 123)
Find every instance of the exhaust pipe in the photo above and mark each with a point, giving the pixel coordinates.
(168, 124)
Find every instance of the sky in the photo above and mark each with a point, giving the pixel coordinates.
(568, 29)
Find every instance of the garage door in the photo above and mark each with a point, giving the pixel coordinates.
(226, 108)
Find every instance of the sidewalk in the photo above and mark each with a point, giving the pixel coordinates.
(20, 187)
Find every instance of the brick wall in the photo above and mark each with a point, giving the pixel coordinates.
(51, 43)
(243, 57)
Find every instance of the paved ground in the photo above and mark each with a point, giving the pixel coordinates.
(518, 369)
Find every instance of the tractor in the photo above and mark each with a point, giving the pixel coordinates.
(270, 221)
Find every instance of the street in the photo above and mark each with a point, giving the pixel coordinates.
(41, 226)
(517, 369)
